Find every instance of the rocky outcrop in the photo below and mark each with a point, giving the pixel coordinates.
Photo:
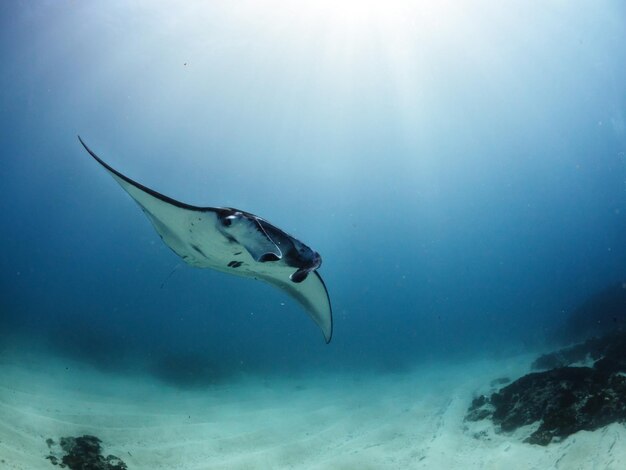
(83, 453)
(564, 399)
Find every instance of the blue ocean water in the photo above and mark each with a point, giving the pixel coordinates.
(461, 168)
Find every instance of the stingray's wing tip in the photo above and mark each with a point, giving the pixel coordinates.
(327, 325)
(103, 163)
(91, 152)
(82, 142)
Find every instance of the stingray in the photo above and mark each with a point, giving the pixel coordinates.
(235, 242)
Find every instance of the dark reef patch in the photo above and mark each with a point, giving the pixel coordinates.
(82, 453)
(611, 346)
(563, 399)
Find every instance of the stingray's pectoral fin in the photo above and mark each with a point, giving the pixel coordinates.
(248, 233)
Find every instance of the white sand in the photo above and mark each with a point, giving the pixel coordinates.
(397, 421)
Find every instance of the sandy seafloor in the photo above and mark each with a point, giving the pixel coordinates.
(408, 419)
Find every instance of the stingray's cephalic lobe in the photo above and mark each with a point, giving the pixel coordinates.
(235, 242)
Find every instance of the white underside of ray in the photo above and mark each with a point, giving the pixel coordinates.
(194, 236)
(183, 229)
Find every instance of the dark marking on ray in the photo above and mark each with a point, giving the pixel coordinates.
(234, 264)
(197, 248)
(238, 253)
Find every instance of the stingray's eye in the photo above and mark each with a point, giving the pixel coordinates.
(227, 221)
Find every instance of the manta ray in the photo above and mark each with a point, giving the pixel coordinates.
(235, 242)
